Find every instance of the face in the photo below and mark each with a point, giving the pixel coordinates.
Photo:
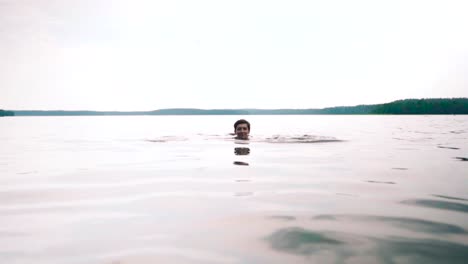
(242, 131)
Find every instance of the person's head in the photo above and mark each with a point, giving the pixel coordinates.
(242, 129)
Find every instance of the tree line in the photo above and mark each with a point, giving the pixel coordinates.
(6, 113)
(454, 106)
(433, 106)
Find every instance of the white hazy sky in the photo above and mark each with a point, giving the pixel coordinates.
(145, 55)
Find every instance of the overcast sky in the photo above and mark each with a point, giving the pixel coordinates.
(145, 55)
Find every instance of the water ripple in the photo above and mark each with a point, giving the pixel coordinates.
(413, 224)
(452, 206)
(338, 247)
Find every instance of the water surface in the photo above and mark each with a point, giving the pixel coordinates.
(179, 189)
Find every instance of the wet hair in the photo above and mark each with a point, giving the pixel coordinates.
(241, 121)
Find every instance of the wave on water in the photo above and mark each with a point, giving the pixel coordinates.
(262, 139)
(164, 139)
(300, 139)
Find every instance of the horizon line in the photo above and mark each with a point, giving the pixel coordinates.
(210, 109)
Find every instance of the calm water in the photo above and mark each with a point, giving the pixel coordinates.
(178, 189)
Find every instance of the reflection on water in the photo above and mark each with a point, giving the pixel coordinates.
(301, 241)
(452, 206)
(450, 197)
(338, 247)
(241, 163)
(382, 182)
(241, 151)
(412, 224)
(447, 147)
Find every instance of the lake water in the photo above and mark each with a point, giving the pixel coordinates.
(179, 189)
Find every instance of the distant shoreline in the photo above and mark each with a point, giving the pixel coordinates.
(453, 106)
